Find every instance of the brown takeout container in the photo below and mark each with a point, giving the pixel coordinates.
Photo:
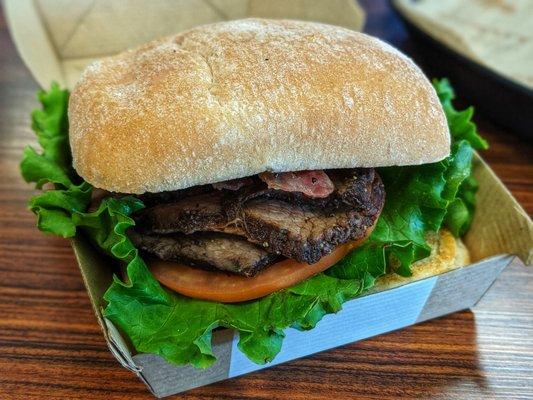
(57, 38)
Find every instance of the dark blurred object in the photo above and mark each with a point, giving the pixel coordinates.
(383, 22)
(503, 101)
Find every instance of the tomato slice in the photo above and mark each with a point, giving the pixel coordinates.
(227, 288)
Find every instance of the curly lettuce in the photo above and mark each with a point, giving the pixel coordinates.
(53, 167)
(419, 199)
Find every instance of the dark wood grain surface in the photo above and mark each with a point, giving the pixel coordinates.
(51, 346)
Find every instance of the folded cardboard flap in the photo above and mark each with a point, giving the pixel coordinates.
(57, 39)
(500, 224)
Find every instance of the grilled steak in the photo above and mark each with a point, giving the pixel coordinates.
(358, 188)
(201, 212)
(283, 223)
(207, 250)
(301, 232)
(153, 199)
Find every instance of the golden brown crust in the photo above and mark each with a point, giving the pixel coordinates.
(447, 253)
(238, 98)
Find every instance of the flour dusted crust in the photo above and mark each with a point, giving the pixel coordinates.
(238, 98)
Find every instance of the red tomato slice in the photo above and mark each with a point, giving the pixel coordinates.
(227, 288)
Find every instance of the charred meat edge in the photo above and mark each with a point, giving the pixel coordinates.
(344, 216)
(206, 250)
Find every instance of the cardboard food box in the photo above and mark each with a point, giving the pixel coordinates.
(57, 38)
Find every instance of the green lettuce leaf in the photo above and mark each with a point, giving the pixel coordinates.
(462, 197)
(460, 122)
(54, 207)
(420, 199)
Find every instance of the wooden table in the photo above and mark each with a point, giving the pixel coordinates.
(51, 346)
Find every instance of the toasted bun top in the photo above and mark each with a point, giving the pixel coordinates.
(238, 98)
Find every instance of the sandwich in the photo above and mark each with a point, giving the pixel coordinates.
(253, 175)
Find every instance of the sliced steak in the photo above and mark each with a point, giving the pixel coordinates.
(353, 187)
(357, 188)
(304, 233)
(308, 230)
(283, 223)
(206, 250)
(153, 199)
(190, 214)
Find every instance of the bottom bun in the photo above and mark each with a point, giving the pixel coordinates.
(447, 253)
